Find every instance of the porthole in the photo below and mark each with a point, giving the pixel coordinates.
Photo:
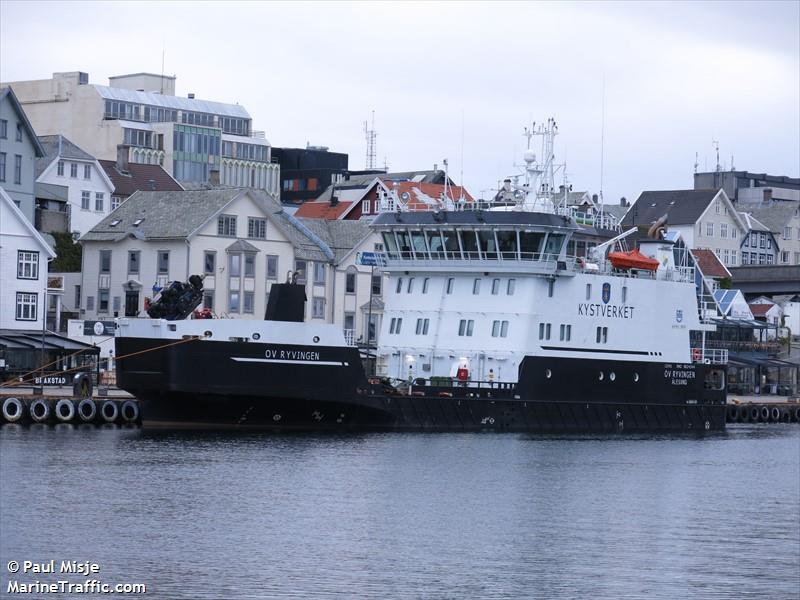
(207, 334)
(316, 339)
(256, 336)
(612, 376)
(600, 377)
(548, 373)
(636, 377)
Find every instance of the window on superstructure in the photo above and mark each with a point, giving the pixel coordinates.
(99, 201)
(435, 243)
(399, 287)
(602, 335)
(553, 246)
(450, 284)
(73, 170)
(733, 232)
(569, 332)
(547, 330)
(452, 250)
(717, 206)
(541, 331)
(488, 244)
(562, 334)
(624, 294)
(504, 329)
(512, 284)
(495, 287)
(60, 168)
(507, 243)
(404, 243)
(469, 242)
(19, 132)
(588, 291)
(399, 325)
(495, 328)
(425, 283)
(476, 286)
(418, 240)
(410, 287)
(551, 285)
(531, 243)
(390, 242)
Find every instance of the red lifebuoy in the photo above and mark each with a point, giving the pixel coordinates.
(462, 374)
(696, 354)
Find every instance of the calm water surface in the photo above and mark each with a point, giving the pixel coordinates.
(207, 515)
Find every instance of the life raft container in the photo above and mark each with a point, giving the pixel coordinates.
(632, 260)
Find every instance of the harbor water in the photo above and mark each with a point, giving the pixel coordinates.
(219, 515)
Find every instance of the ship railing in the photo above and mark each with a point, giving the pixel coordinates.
(350, 337)
(710, 356)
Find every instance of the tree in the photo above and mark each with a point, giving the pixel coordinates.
(69, 254)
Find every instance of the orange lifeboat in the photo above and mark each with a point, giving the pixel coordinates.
(632, 260)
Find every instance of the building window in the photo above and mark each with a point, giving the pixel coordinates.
(209, 262)
(723, 230)
(319, 273)
(300, 267)
(745, 258)
(105, 261)
(26, 306)
(19, 132)
(785, 257)
(163, 262)
(60, 168)
(233, 301)
(133, 261)
(717, 206)
(226, 225)
(117, 303)
(102, 301)
(495, 287)
(73, 170)
(77, 299)
(90, 303)
(450, 282)
(725, 256)
(2, 166)
(249, 302)
(115, 202)
(208, 299)
(27, 264)
(377, 285)
(318, 308)
(87, 171)
(86, 198)
(272, 266)
(710, 229)
(733, 232)
(476, 286)
(99, 200)
(3, 129)
(256, 228)
(624, 294)
(787, 233)
(18, 169)
(350, 281)
(234, 265)
(349, 321)
(249, 265)
(512, 284)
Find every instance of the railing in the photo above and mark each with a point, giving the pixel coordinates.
(715, 356)
(350, 337)
(745, 346)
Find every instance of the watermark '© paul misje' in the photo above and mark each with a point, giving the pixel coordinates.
(64, 568)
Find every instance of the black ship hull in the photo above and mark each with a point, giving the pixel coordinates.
(233, 385)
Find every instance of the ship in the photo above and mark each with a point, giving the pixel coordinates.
(489, 325)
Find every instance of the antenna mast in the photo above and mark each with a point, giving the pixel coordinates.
(370, 134)
(715, 143)
(602, 138)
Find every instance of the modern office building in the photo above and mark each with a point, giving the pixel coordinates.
(196, 141)
(745, 187)
(307, 172)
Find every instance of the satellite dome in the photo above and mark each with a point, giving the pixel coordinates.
(529, 156)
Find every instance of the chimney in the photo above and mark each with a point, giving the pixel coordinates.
(623, 201)
(213, 177)
(435, 167)
(151, 185)
(191, 95)
(767, 194)
(594, 198)
(334, 200)
(122, 158)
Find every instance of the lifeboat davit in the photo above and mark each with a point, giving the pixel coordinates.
(632, 260)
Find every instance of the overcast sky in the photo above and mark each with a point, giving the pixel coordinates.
(462, 78)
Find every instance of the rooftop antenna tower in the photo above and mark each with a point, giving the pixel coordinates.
(163, 52)
(715, 143)
(370, 134)
(602, 139)
(696, 155)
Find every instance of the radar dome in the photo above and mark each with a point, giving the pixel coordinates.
(529, 156)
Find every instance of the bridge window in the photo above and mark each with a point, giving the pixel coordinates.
(451, 247)
(435, 244)
(507, 242)
(531, 243)
(418, 240)
(553, 247)
(390, 242)
(469, 242)
(488, 244)
(404, 241)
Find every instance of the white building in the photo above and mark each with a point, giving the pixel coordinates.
(704, 218)
(194, 140)
(241, 240)
(23, 269)
(89, 189)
